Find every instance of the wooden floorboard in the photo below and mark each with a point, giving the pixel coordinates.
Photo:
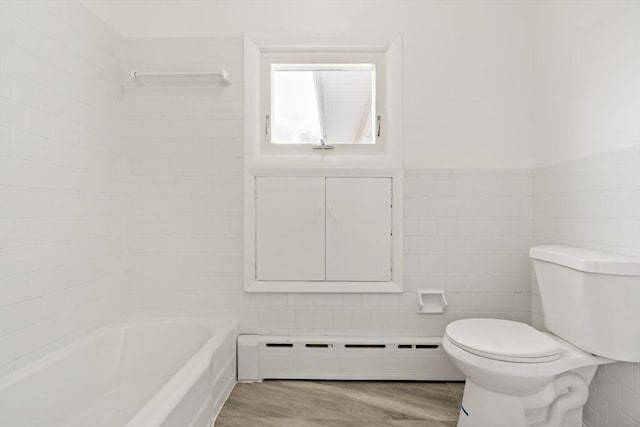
(342, 403)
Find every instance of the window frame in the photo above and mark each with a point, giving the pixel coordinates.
(269, 58)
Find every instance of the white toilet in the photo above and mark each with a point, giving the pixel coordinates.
(518, 376)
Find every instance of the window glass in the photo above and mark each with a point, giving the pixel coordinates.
(323, 103)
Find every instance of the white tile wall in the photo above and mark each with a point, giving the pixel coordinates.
(61, 176)
(466, 231)
(184, 183)
(595, 202)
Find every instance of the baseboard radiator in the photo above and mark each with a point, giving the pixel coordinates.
(263, 357)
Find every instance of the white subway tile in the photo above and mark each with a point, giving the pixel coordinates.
(631, 403)
(617, 418)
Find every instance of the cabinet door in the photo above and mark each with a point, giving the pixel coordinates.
(358, 241)
(290, 219)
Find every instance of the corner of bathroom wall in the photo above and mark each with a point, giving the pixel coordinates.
(61, 177)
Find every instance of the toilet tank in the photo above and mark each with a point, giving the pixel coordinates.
(591, 299)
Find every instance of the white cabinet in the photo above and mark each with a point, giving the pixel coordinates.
(326, 229)
(358, 230)
(290, 215)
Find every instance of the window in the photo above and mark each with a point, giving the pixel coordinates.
(323, 103)
(322, 99)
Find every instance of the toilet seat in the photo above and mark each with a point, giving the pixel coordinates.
(503, 340)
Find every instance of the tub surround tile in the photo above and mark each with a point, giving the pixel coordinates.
(61, 170)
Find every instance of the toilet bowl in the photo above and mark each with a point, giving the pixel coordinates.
(518, 376)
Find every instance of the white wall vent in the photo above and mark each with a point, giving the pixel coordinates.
(343, 358)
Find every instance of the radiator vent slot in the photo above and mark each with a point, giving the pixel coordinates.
(426, 346)
(365, 346)
(356, 346)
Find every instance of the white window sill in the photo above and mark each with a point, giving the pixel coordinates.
(322, 287)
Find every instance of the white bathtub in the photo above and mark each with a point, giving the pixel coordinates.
(135, 374)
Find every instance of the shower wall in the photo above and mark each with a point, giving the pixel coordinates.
(184, 180)
(61, 177)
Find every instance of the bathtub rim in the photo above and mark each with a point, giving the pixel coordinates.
(167, 398)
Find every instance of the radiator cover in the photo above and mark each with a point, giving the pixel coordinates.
(343, 358)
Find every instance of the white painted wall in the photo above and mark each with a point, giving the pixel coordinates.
(61, 176)
(467, 64)
(587, 78)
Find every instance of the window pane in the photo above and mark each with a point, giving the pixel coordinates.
(333, 103)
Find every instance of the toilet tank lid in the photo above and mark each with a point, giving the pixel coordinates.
(587, 260)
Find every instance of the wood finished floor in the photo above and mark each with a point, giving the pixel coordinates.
(342, 403)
